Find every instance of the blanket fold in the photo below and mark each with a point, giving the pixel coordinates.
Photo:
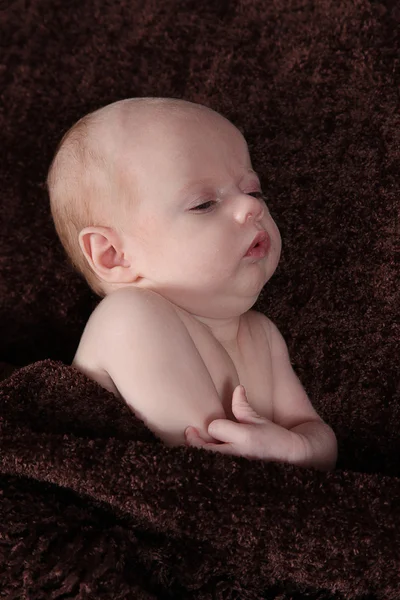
(92, 505)
(236, 525)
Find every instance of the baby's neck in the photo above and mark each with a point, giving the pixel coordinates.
(226, 331)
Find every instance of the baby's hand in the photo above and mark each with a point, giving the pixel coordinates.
(253, 436)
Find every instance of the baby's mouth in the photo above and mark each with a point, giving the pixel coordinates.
(259, 246)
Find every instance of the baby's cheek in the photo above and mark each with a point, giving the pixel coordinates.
(276, 238)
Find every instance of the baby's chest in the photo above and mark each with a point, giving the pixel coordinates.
(251, 367)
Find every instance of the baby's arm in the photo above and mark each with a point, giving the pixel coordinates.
(155, 365)
(296, 434)
(293, 410)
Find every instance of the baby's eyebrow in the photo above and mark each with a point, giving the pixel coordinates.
(193, 185)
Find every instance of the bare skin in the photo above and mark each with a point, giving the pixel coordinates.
(175, 336)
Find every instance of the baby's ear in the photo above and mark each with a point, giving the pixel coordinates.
(102, 248)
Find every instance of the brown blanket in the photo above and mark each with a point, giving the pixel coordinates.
(92, 505)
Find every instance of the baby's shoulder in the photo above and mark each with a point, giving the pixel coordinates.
(116, 314)
(129, 303)
(116, 318)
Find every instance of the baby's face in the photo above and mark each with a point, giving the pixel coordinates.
(198, 208)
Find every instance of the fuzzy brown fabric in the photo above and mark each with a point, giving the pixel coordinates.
(92, 505)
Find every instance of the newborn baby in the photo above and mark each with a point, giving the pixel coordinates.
(157, 205)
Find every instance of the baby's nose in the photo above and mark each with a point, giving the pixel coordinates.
(250, 208)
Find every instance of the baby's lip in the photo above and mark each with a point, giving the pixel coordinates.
(261, 237)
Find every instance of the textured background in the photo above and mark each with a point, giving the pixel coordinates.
(91, 505)
(314, 86)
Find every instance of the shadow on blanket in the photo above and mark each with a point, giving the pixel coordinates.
(94, 506)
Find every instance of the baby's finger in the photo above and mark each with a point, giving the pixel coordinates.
(200, 437)
(193, 438)
(241, 408)
(226, 431)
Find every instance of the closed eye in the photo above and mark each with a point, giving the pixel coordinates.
(206, 206)
(201, 206)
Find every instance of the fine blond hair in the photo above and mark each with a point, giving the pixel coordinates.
(85, 186)
(81, 189)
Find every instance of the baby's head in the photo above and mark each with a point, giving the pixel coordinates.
(160, 193)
